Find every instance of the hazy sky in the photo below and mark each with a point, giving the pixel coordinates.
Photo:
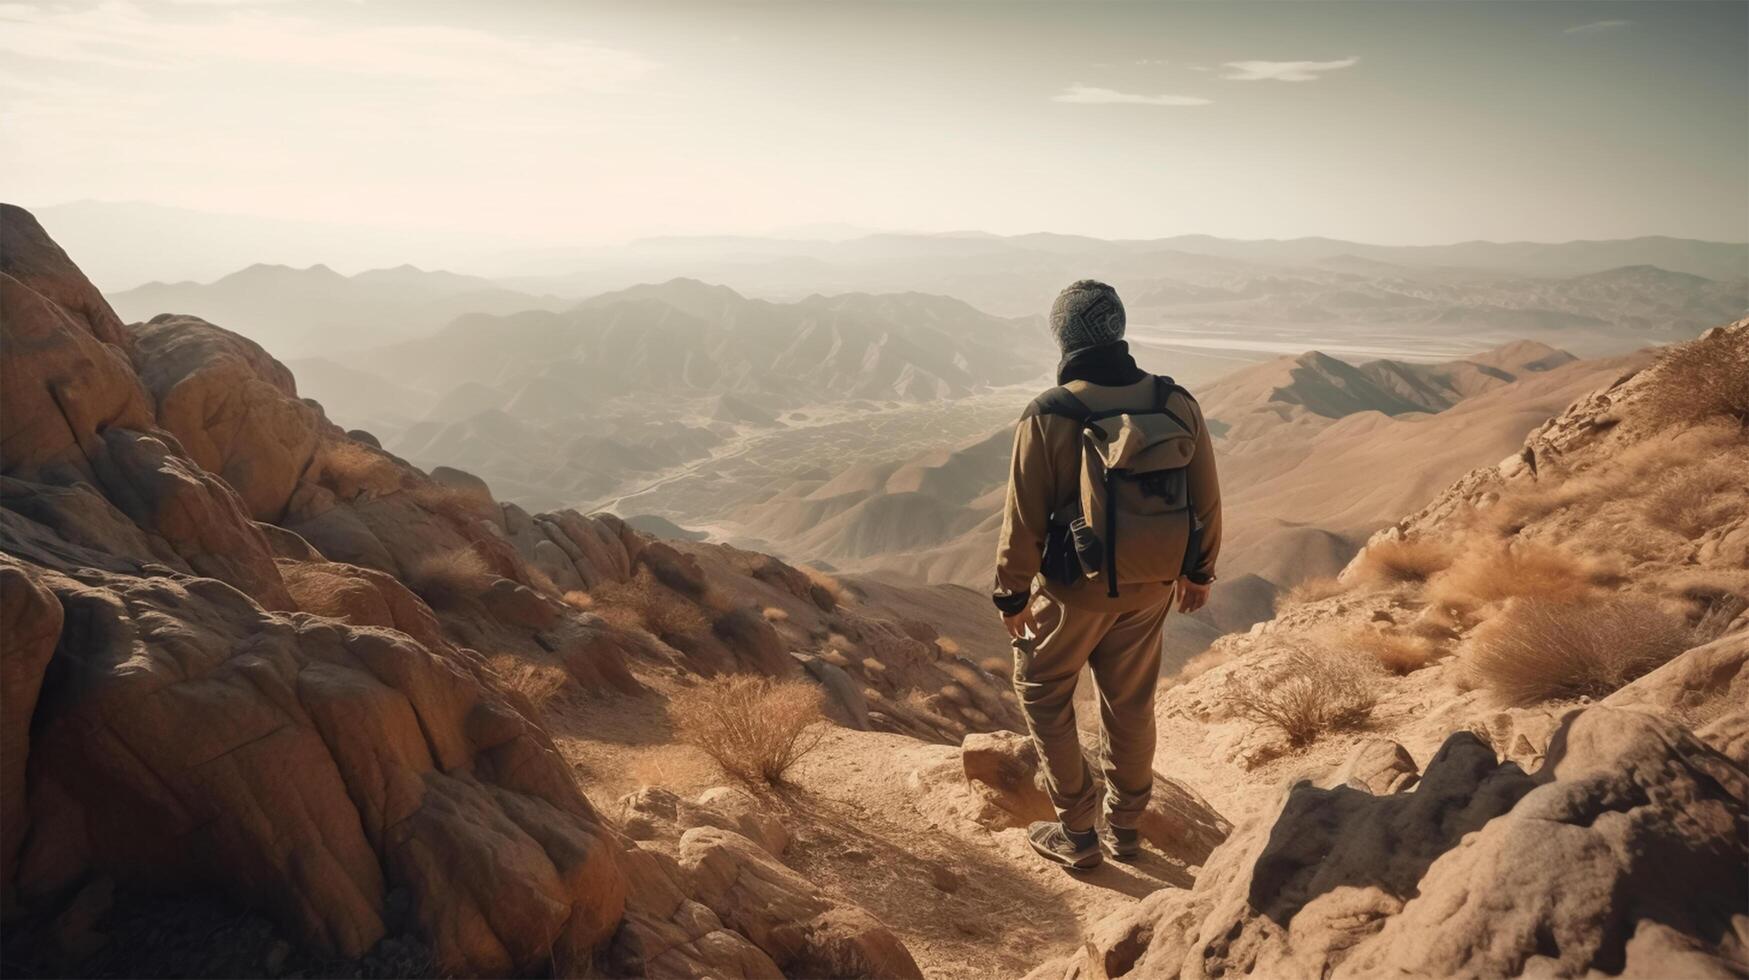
(571, 122)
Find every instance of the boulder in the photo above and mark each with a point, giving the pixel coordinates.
(234, 409)
(1622, 855)
(783, 914)
(30, 621)
(667, 934)
(845, 702)
(1379, 766)
(319, 764)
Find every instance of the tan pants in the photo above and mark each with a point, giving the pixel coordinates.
(1123, 650)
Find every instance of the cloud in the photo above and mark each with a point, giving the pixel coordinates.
(1284, 71)
(120, 34)
(1598, 26)
(1093, 95)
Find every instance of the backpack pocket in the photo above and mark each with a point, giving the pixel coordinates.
(1152, 546)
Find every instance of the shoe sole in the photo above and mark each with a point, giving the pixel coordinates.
(1087, 863)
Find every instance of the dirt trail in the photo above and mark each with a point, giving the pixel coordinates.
(968, 902)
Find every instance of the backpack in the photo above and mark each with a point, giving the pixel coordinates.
(1132, 519)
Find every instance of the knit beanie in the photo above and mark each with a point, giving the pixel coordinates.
(1086, 314)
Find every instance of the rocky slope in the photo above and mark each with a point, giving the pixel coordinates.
(254, 660)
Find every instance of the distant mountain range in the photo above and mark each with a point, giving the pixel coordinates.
(299, 312)
(563, 406)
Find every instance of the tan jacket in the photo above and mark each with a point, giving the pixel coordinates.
(1043, 479)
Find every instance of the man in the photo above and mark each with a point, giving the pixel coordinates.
(1067, 620)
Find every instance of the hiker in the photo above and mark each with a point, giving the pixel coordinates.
(1113, 511)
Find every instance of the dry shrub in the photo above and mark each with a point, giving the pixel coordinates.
(540, 581)
(775, 615)
(1313, 692)
(1394, 652)
(1702, 379)
(539, 683)
(1402, 560)
(1543, 649)
(349, 465)
(578, 599)
(998, 666)
(1312, 590)
(451, 578)
(1692, 500)
(827, 592)
(462, 504)
(756, 728)
(1497, 572)
(642, 603)
(946, 646)
(678, 571)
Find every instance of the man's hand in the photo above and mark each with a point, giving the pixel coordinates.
(1192, 596)
(1020, 623)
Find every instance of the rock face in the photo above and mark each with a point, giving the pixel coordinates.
(1624, 854)
(786, 916)
(241, 664)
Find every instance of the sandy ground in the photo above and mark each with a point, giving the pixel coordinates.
(968, 902)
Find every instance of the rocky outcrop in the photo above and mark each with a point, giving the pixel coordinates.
(1624, 854)
(784, 915)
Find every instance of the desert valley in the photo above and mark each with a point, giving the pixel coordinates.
(640, 627)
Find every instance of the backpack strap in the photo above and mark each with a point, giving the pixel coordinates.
(1164, 387)
(1059, 401)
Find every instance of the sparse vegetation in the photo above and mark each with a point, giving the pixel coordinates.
(1395, 561)
(755, 728)
(1495, 572)
(347, 466)
(1312, 692)
(827, 592)
(946, 646)
(461, 504)
(1396, 653)
(775, 615)
(539, 683)
(998, 666)
(1702, 379)
(451, 578)
(1540, 649)
(1692, 500)
(578, 599)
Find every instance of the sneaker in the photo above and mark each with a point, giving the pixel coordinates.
(1055, 844)
(1123, 843)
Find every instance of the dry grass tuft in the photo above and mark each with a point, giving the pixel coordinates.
(997, 666)
(1313, 692)
(348, 466)
(539, 683)
(1695, 499)
(1541, 649)
(827, 591)
(461, 504)
(1702, 379)
(1396, 653)
(1402, 560)
(1497, 572)
(947, 647)
(451, 578)
(642, 603)
(578, 599)
(773, 614)
(755, 728)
